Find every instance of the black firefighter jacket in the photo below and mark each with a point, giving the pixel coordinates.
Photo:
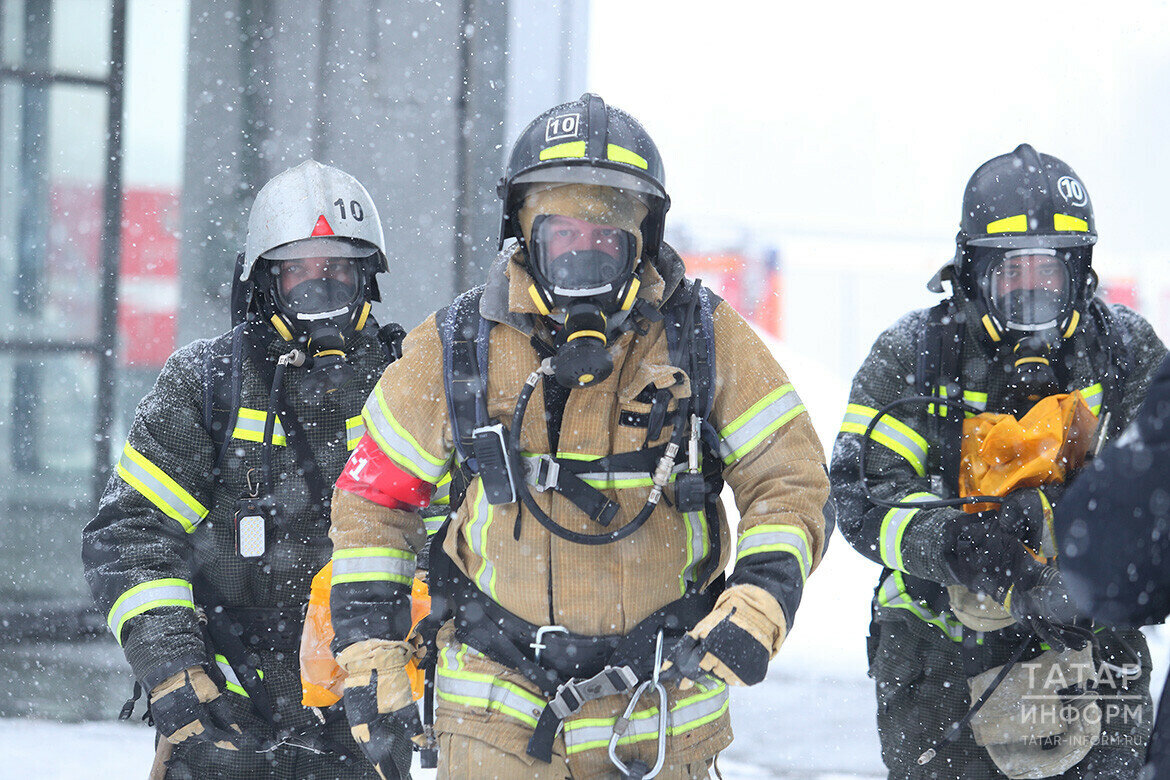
(1113, 532)
(902, 463)
(164, 526)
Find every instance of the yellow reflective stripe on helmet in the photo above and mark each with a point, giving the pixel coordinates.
(759, 422)
(372, 564)
(708, 703)
(397, 443)
(889, 431)
(158, 488)
(893, 528)
(250, 427)
(892, 594)
(168, 592)
(476, 533)
(1093, 395)
(621, 154)
(778, 537)
(1066, 222)
(1016, 224)
(474, 689)
(571, 149)
(231, 680)
(354, 430)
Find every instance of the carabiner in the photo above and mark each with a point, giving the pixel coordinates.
(622, 724)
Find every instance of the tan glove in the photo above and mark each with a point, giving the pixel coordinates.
(378, 700)
(188, 705)
(734, 641)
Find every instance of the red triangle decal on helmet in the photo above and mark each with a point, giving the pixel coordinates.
(322, 227)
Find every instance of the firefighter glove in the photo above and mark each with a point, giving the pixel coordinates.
(1039, 601)
(378, 699)
(734, 642)
(1025, 514)
(981, 556)
(189, 706)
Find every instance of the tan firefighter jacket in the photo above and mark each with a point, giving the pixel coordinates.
(772, 461)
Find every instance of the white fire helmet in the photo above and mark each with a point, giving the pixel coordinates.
(309, 201)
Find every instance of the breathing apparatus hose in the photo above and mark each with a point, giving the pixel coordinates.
(867, 437)
(661, 473)
(295, 358)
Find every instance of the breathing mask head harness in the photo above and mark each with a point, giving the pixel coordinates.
(314, 246)
(1022, 269)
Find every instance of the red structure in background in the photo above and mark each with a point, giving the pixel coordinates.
(753, 286)
(1123, 291)
(148, 289)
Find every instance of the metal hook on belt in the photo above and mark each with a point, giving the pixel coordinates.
(636, 770)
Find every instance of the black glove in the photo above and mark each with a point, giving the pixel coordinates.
(1041, 604)
(980, 556)
(189, 706)
(1024, 515)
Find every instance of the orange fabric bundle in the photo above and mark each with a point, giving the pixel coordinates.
(1000, 454)
(322, 680)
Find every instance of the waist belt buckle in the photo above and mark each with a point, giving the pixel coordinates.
(537, 646)
(609, 681)
(544, 473)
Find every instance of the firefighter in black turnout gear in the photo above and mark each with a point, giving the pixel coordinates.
(216, 520)
(963, 612)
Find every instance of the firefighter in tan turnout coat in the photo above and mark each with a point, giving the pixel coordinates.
(588, 551)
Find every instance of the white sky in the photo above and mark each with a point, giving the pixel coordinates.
(866, 118)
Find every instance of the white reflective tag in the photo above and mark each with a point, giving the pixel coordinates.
(251, 536)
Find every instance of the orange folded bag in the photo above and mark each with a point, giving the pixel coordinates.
(322, 680)
(1000, 454)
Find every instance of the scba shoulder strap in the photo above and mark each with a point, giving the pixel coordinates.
(465, 336)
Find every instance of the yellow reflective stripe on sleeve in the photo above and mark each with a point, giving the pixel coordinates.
(158, 488)
(708, 702)
(769, 537)
(476, 533)
(168, 592)
(889, 431)
(231, 679)
(442, 494)
(250, 427)
(1016, 224)
(433, 524)
(759, 422)
(473, 689)
(1093, 395)
(355, 429)
(893, 528)
(571, 149)
(1066, 222)
(397, 443)
(892, 594)
(372, 564)
(621, 154)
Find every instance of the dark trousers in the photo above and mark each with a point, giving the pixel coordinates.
(921, 677)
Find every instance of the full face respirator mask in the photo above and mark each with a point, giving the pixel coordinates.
(319, 296)
(1030, 297)
(584, 273)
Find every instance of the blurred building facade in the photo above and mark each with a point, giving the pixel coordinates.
(133, 138)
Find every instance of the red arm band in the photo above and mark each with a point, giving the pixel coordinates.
(369, 473)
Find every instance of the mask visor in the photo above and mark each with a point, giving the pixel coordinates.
(317, 285)
(579, 258)
(1029, 289)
